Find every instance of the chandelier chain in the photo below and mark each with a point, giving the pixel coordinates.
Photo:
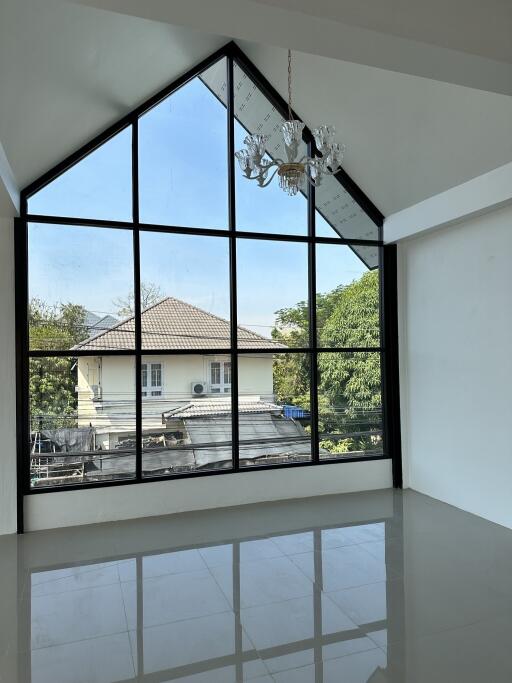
(297, 168)
(290, 117)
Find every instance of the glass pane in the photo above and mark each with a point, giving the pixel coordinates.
(268, 209)
(349, 404)
(99, 186)
(215, 373)
(80, 280)
(347, 301)
(343, 217)
(185, 291)
(183, 157)
(82, 419)
(186, 428)
(274, 408)
(272, 280)
(156, 375)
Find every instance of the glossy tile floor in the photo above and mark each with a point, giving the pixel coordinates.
(374, 587)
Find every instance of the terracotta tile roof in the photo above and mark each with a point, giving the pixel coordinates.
(175, 324)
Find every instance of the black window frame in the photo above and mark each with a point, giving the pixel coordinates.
(388, 348)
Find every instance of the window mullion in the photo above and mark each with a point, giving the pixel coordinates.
(313, 337)
(136, 301)
(232, 266)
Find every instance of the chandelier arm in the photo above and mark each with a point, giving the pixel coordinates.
(274, 162)
(269, 180)
(308, 175)
(329, 171)
(261, 174)
(261, 170)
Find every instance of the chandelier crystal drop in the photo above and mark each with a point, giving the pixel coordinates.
(295, 170)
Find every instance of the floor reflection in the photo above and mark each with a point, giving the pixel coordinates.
(309, 606)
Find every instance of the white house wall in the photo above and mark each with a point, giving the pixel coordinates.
(255, 375)
(116, 375)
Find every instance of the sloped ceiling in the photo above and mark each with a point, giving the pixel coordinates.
(479, 27)
(69, 71)
(407, 138)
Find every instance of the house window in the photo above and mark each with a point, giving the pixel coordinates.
(220, 377)
(151, 379)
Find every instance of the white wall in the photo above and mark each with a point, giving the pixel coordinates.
(455, 289)
(52, 510)
(117, 375)
(7, 381)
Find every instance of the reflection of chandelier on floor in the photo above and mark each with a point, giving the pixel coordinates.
(293, 172)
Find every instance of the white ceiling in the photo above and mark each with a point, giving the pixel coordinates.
(407, 138)
(68, 71)
(463, 36)
(479, 27)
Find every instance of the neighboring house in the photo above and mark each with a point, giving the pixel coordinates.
(94, 323)
(186, 409)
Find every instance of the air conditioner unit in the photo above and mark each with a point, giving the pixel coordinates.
(96, 391)
(199, 388)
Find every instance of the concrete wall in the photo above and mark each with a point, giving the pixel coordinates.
(61, 509)
(456, 365)
(7, 381)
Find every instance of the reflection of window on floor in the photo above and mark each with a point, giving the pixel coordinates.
(151, 379)
(220, 377)
(315, 599)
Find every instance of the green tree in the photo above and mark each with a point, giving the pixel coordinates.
(349, 383)
(291, 371)
(52, 380)
(353, 319)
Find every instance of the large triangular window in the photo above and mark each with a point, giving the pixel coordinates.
(153, 263)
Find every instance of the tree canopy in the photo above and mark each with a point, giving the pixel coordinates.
(52, 380)
(349, 383)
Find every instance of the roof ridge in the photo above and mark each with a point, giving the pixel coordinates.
(217, 317)
(213, 316)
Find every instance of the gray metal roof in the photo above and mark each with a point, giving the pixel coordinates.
(264, 435)
(95, 323)
(220, 406)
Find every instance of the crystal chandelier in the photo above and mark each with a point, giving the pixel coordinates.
(292, 172)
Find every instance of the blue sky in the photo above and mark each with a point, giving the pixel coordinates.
(182, 175)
